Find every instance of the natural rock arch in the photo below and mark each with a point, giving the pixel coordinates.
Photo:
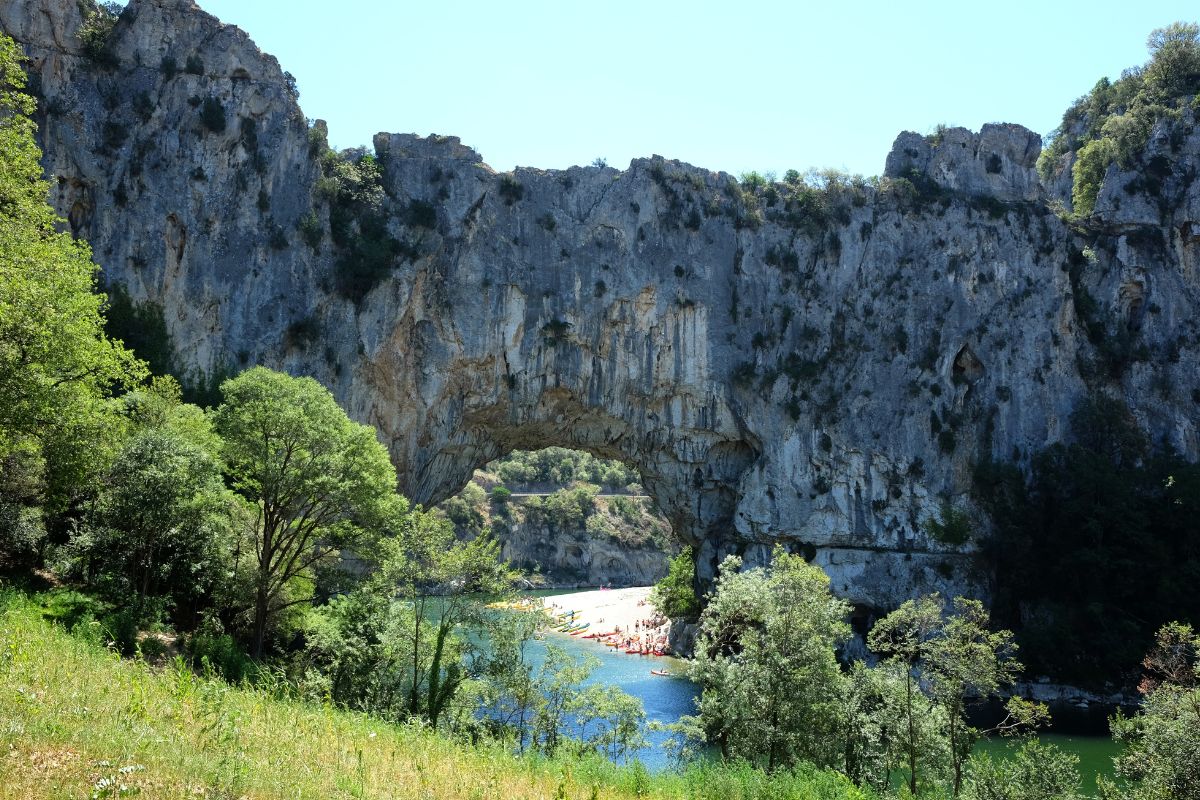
(781, 367)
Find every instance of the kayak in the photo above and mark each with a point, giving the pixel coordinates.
(660, 672)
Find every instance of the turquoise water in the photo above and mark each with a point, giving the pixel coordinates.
(666, 699)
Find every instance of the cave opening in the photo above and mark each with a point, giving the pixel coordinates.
(567, 518)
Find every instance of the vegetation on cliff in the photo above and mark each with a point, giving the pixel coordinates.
(270, 527)
(1113, 122)
(1095, 548)
(559, 528)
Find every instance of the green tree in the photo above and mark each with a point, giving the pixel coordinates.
(959, 660)
(1091, 163)
(1174, 67)
(404, 643)
(765, 662)
(1035, 771)
(445, 584)
(1161, 758)
(318, 483)
(1095, 548)
(875, 706)
(161, 521)
(602, 718)
(675, 594)
(56, 364)
(508, 692)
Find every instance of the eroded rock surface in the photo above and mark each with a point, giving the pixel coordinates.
(823, 375)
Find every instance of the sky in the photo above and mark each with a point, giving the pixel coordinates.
(736, 86)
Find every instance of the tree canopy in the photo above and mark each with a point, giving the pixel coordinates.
(766, 663)
(56, 365)
(318, 482)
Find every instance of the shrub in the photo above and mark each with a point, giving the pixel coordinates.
(511, 189)
(555, 331)
(169, 67)
(744, 374)
(311, 230)
(216, 652)
(1091, 164)
(276, 238)
(421, 214)
(95, 33)
(114, 136)
(500, 496)
(194, 65)
(212, 114)
(952, 526)
(303, 332)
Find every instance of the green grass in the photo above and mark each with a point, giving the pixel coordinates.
(77, 721)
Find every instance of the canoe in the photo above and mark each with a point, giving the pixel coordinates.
(660, 672)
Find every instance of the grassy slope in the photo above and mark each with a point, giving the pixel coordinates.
(72, 715)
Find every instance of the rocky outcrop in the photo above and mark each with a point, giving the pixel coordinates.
(568, 559)
(817, 368)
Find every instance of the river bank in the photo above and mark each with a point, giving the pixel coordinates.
(623, 616)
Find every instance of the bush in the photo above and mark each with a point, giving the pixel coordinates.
(952, 526)
(311, 230)
(303, 332)
(276, 238)
(95, 33)
(675, 595)
(194, 65)
(1091, 164)
(421, 214)
(500, 496)
(213, 651)
(511, 189)
(212, 114)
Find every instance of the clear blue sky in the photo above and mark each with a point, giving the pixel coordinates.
(731, 86)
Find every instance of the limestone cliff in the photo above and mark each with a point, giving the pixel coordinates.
(820, 368)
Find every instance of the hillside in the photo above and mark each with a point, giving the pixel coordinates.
(567, 519)
(80, 722)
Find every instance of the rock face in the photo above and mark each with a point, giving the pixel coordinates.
(575, 558)
(821, 371)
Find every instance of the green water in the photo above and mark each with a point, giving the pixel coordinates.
(1095, 754)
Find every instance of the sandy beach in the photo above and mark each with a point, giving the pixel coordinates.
(626, 613)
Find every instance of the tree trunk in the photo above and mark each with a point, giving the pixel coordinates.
(261, 608)
(912, 737)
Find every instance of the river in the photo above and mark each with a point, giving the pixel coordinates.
(668, 698)
(665, 698)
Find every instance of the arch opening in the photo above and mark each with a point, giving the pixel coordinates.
(567, 518)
